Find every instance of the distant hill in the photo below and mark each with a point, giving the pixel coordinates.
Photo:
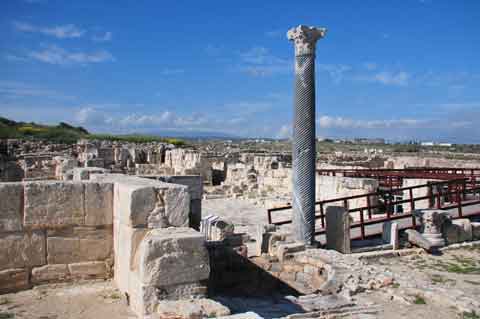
(66, 133)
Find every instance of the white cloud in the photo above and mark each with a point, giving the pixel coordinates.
(400, 78)
(258, 61)
(326, 121)
(92, 116)
(107, 36)
(59, 56)
(336, 71)
(285, 131)
(60, 32)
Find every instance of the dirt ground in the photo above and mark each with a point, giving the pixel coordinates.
(425, 286)
(69, 301)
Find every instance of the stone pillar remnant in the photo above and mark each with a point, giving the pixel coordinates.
(338, 229)
(304, 153)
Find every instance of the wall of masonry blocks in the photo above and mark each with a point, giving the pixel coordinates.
(54, 231)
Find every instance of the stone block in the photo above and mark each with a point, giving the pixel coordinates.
(51, 204)
(50, 273)
(193, 182)
(12, 280)
(11, 207)
(338, 229)
(20, 250)
(83, 173)
(390, 234)
(140, 204)
(98, 204)
(173, 256)
(475, 231)
(79, 244)
(284, 250)
(90, 269)
(417, 239)
(192, 309)
(458, 230)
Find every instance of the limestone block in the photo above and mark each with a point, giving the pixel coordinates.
(417, 239)
(458, 230)
(177, 206)
(173, 256)
(18, 250)
(192, 309)
(193, 182)
(475, 230)
(83, 173)
(50, 204)
(11, 207)
(126, 242)
(98, 204)
(284, 250)
(90, 269)
(13, 280)
(79, 244)
(338, 229)
(50, 273)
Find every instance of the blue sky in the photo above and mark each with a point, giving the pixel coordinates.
(405, 69)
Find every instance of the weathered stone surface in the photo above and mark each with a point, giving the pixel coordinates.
(245, 315)
(173, 256)
(11, 207)
(91, 269)
(338, 229)
(13, 280)
(50, 273)
(475, 230)
(98, 204)
(432, 221)
(417, 239)
(50, 204)
(457, 231)
(193, 182)
(78, 244)
(177, 206)
(83, 173)
(18, 250)
(192, 309)
(284, 250)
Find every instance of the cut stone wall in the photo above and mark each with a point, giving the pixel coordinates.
(54, 231)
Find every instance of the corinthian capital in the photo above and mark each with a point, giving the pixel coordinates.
(305, 38)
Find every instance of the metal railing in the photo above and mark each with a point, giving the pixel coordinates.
(451, 194)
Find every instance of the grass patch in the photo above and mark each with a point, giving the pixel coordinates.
(471, 315)
(439, 279)
(7, 315)
(419, 300)
(396, 285)
(459, 266)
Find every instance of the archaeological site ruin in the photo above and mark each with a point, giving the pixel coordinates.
(238, 229)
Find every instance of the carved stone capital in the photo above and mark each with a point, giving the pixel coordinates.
(305, 39)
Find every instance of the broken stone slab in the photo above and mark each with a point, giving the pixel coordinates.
(140, 205)
(173, 256)
(86, 270)
(50, 273)
(338, 229)
(11, 207)
(245, 315)
(458, 230)
(475, 231)
(284, 251)
(25, 249)
(98, 204)
(83, 173)
(12, 280)
(417, 239)
(51, 204)
(191, 309)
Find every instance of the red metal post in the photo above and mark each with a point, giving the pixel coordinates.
(369, 206)
(362, 225)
